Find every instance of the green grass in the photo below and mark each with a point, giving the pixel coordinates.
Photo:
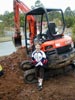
(7, 38)
(4, 39)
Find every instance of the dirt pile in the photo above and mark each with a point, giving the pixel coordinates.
(12, 86)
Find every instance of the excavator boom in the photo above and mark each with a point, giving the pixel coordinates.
(19, 5)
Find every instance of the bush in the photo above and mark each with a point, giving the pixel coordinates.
(73, 32)
(69, 21)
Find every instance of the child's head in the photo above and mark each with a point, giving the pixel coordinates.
(37, 46)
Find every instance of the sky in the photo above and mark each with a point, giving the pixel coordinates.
(63, 4)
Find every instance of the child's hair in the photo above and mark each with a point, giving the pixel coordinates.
(38, 42)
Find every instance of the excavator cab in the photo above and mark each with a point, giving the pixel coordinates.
(49, 26)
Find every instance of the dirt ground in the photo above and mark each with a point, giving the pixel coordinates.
(13, 87)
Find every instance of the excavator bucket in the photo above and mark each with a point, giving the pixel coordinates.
(17, 6)
(17, 40)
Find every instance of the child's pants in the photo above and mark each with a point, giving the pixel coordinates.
(39, 72)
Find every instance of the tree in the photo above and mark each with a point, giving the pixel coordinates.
(1, 28)
(8, 19)
(68, 12)
(73, 32)
(22, 20)
(37, 4)
(68, 21)
(69, 17)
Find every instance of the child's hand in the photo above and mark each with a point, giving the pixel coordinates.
(39, 63)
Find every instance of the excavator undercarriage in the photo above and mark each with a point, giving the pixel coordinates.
(57, 64)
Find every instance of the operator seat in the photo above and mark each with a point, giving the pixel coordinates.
(52, 28)
(53, 32)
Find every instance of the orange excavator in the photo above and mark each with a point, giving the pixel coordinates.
(47, 26)
(19, 5)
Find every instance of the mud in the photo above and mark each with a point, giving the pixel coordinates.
(13, 87)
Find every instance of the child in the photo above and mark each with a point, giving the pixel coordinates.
(39, 60)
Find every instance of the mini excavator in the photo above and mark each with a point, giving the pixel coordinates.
(47, 26)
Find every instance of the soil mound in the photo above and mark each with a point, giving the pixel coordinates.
(12, 86)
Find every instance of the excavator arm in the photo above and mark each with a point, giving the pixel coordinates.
(19, 5)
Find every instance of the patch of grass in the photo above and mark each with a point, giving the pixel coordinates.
(7, 38)
(4, 39)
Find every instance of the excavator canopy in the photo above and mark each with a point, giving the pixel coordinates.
(41, 10)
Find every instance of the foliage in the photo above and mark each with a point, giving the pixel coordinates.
(22, 21)
(69, 21)
(8, 18)
(73, 32)
(38, 3)
(1, 28)
(8, 21)
(69, 17)
(68, 12)
(73, 29)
